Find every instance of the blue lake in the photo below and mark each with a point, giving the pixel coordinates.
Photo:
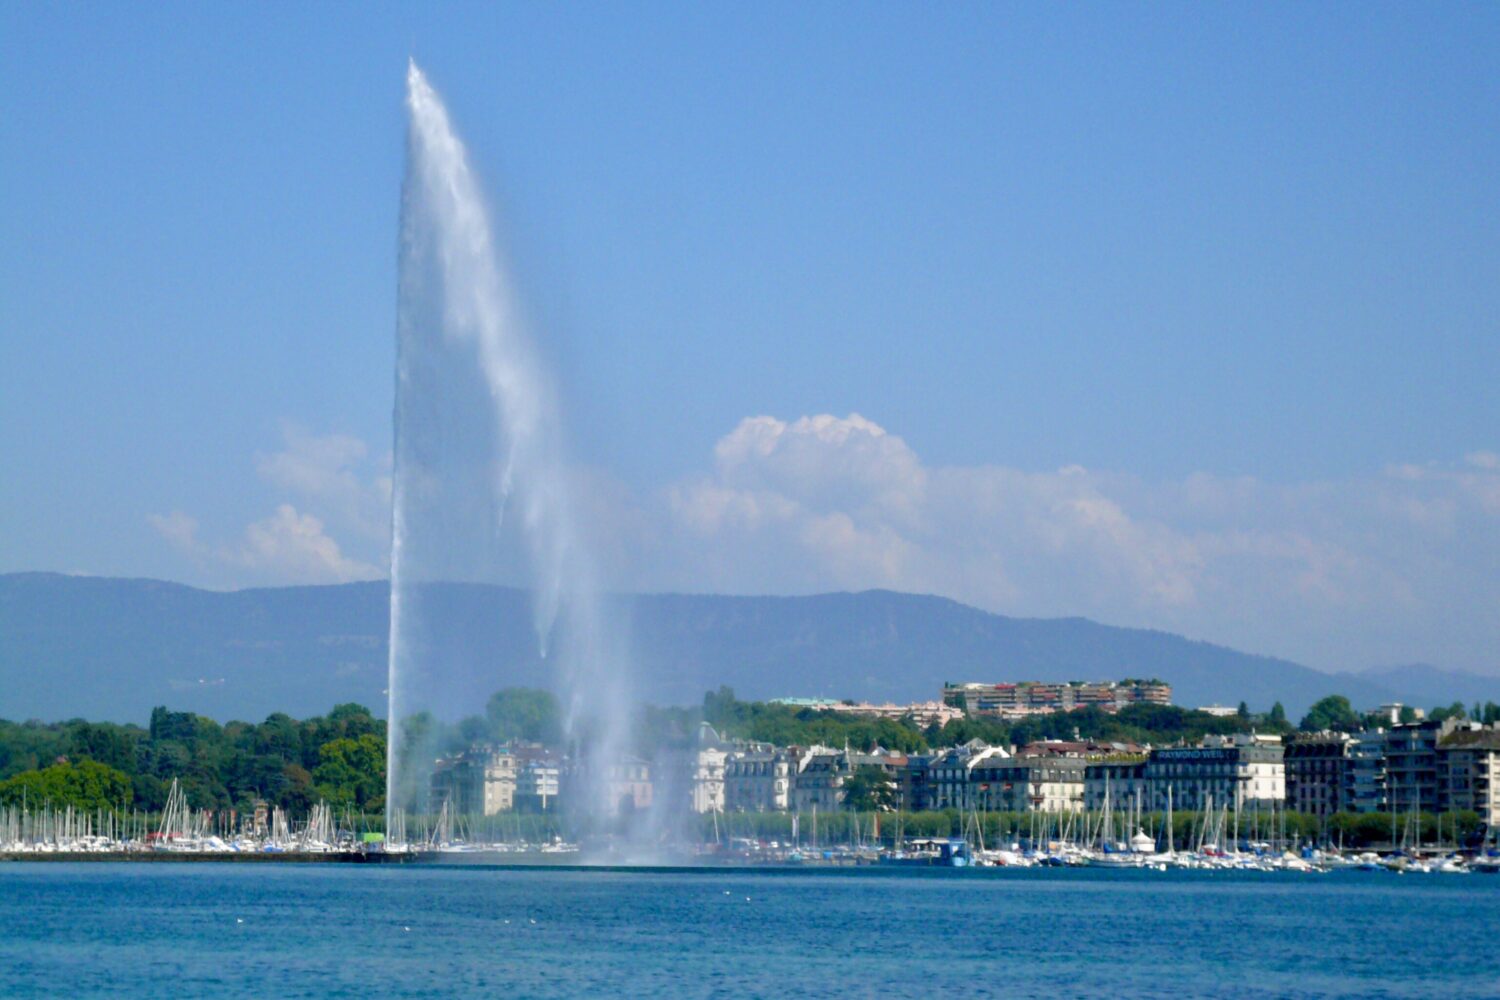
(157, 930)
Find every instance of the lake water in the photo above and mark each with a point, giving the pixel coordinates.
(157, 930)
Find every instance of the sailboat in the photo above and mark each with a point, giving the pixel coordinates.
(1109, 854)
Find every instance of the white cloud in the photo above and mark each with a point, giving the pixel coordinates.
(1398, 565)
(330, 471)
(177, 528)
(850, 505)
(1323, 570)
(334, 483)
(825, 462)
(293, 546)
(287, 547)
(1477, 480)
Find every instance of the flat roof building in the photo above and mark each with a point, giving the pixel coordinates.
(1024, 698)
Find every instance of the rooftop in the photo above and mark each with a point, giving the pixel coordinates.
(1473, 737)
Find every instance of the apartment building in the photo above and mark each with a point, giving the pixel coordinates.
(1024, 698)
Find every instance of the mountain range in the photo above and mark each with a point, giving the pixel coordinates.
(108, 648)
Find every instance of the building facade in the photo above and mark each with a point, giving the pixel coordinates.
(693, 776)
(1411, 765)
(538, 784)
(819, 784)
(1117, 784)
(1367, 770)
(1320, 774)
(1028, 784)
(480, 781)
(628, 784)
(1244, 771)
(1469, 771)
(706, 792)
(758, 778)
(1025, 698)
(1435, 766)
(921, 713)
(947, 781)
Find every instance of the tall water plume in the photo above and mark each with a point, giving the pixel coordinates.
(478, 433)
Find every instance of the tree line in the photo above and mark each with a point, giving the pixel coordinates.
(341, 757)
(338, 757)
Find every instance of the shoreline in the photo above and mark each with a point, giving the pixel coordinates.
(200, 857)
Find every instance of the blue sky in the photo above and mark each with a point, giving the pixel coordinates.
(1175, 315)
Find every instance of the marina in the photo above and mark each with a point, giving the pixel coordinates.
(1081, 841)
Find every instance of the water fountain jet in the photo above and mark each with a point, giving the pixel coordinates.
(478, 429)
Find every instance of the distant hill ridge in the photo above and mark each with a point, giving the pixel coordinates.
(109, 648)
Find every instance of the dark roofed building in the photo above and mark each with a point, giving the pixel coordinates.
(1320, 774)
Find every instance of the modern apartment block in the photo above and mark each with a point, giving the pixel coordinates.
(1367, 772)
(538, 784)
(1411, 765)
(1437, 766)
(1469, 771)
(1023, 698)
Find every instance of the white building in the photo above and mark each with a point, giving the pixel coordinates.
(819, 782)
(946, 783)
(1028, 784)
(698, 772)
(758, 778)
(1244, 770)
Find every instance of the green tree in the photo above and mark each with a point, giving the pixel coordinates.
(299, 795)
(474, 729)
(720, 707)
(86, 785)
(149, 792)
(1243, 712)
(1278, 716)
(524, 714)
(28, 746)
(107, 744)
(869, 789)
(1333, 712)
(351, 772)
(166, 725)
